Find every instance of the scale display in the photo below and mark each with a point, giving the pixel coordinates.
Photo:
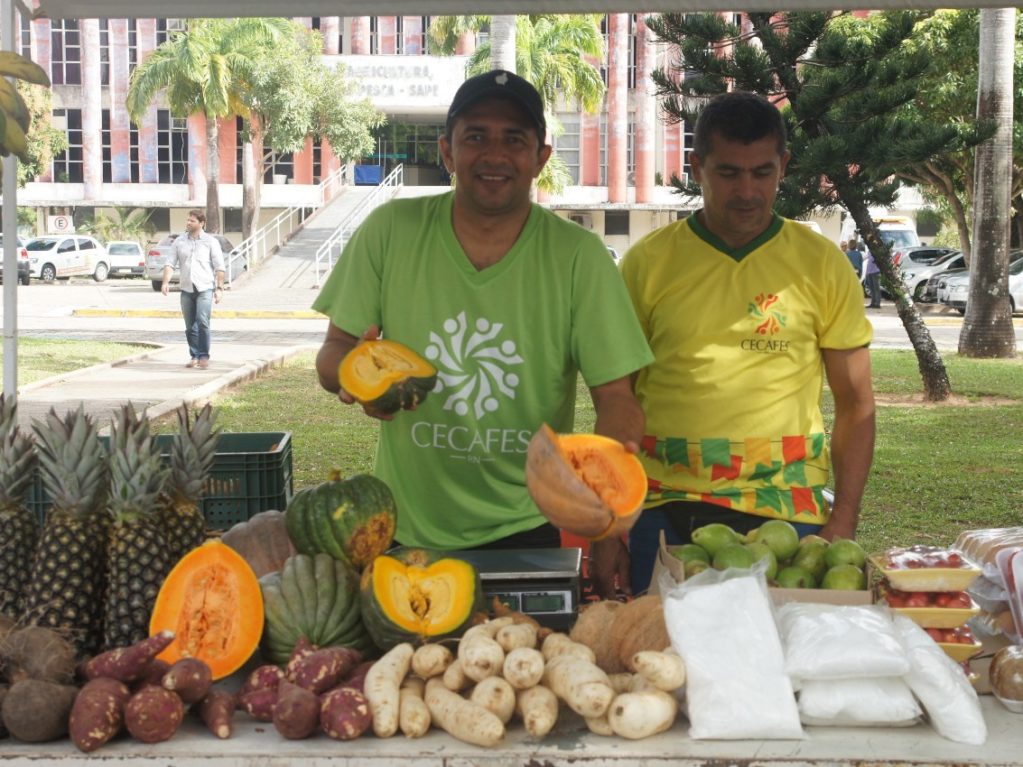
(536, 602)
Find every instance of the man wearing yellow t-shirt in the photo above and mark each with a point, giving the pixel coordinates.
(746, 312)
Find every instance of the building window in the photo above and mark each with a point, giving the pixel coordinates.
(408, 143)
(630, 151)
(232, 219)
(171, 148)
(282, 164)
(630, 75)
(616, 222)
(104, 52)
(415, 26)
(164, 27)
(133, 44)
(66, 52)
(567, 145)
(26, 36)
(68, 165)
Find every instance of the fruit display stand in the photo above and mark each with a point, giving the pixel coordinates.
(570, 744)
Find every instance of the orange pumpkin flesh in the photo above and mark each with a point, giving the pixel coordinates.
(212, 602)
(585, 484)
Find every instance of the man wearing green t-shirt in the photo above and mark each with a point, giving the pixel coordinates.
(746, 313)
(511, 303)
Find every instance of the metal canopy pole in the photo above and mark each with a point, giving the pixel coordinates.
(10, 224)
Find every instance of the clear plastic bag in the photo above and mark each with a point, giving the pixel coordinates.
(736, 687)
(868, 702)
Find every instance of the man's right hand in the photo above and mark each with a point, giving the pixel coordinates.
(165, 288)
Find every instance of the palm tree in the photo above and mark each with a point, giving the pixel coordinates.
(202, 69)
(127, 223)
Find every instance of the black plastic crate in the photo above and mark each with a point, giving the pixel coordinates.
(252, 472)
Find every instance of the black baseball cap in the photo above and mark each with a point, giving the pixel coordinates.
(499, 83)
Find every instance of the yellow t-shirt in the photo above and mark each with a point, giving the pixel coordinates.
(733, 397)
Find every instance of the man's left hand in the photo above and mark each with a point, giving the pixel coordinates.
(217, 294)
(609, 567)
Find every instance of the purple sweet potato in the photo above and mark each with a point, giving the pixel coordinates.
(35, 652)
(345, 713)
(152, 675)
(356, 679)
(216, 710)
(259, 703)
(302, 648)
(98, 713)
(261, 678)
(153, 714)
(128, 664)
(297, 712)
(323, 669)
(37, 711)
(190, 678)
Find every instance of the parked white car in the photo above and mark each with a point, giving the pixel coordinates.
(125, 258)
(58, 257)
(955, 290)
(916, 275)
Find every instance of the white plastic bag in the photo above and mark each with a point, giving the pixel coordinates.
(941, 686)
(869, 702)
(839, 642)
(736, 688)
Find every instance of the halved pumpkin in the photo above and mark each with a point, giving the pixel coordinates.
(416, 595)
(386, 375)
(212, 602)
(585, 484)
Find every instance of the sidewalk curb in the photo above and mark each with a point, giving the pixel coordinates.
(80, 372)
(204, 392)
(229, 314)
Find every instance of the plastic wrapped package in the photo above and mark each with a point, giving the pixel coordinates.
(839, 642)
(941, 686)
(867, 702)
(736, 687)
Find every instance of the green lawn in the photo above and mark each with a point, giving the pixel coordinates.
(40, 358)
(937, 469)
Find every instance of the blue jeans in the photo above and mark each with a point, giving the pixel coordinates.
(196, 306)
(644, 537)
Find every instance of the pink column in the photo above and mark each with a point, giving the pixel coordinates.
(41, 55)
(412, 35)
(303, 163)
(617, 107)
(149, 172)
(228, 131)
(92, 110)
(360, 35)
(387, 34)
(120, 139)
(305, 21)
(589, 149)
(646, 127)
(466, 44)
(197, 157)
(330, 28)
(329, 162)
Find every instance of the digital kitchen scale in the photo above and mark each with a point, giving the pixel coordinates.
(542, 583)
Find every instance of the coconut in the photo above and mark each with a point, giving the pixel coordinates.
(34, 652)
(593, 629)
(639, 625)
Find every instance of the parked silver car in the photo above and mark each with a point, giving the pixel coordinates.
(157, 256)
(917, 275)
(125, 258)
(24, 268)
(954, 289)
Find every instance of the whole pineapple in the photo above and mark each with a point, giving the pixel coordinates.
(192, 458)
(68, 576)
(19, 528)
(137, 554)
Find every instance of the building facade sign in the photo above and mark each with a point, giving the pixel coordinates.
(405, 84)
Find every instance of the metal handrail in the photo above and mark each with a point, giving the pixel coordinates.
(340, 236)
(268, 238)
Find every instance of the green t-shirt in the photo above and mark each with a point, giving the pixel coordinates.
(508, 342)
(733, 402)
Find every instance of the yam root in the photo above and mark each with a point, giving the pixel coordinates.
(323, 669)
(216, 711)
(357, 678)
(517, 635)
(665, 671)
(636, 715)
(638, 625)
(153, 714)
(497, 696)
(128, 664)
(580, 683)
(537, 707)
(413, 715)
(593, 629)
(461, 718)
(190, 678)
(262, 678)
(259, 704)
(431, 660)
(35, 652)
(523, 667)
(97, 714)
(454, 677)
(383, 685)
(296, 714)
(480, 654)
(345, 713)
(37, 711)
(560, 644)
(152, 675)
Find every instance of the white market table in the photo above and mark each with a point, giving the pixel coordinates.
(258, 745)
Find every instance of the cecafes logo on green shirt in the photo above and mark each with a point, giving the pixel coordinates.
(473, 365)
(767, 310)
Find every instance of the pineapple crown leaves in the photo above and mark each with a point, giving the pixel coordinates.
(17, 456)
(137, 472)
(72, 461)
(193, 453)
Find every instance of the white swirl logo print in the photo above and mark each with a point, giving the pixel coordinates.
(472, 365)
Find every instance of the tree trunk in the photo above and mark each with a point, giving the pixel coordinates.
(212, 175)
(987, 329)
(502, 43)
(932, 368)
(248, 190)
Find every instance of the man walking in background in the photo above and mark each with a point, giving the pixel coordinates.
(201, 261)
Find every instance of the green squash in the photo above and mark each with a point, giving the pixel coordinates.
(417, 595)
(316, 597)
(352, 520)
(386, 376)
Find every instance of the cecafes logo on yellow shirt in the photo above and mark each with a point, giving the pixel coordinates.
(767, 310)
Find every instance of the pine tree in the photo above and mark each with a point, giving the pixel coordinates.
(840, 82)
